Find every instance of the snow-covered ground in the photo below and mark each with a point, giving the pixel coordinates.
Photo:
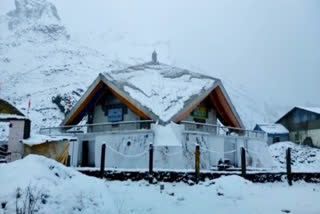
(64, 190)
(304, 158)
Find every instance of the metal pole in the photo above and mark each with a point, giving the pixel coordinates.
(103, 157)
(197, 163)
(288, 159)
(150, 163)
(243, 162)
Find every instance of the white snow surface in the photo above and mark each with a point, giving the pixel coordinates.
(37, 139)
(168, 135)
(161, 88)
(11, 116)
(304, 158)
(64, 190)
(273, 128)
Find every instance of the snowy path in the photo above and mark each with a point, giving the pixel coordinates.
(238, 197)
(64, 191)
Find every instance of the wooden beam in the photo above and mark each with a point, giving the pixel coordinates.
(223, 107)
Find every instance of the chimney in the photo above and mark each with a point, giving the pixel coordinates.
(154, 57)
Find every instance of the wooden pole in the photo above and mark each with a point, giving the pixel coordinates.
(150, 163)
(288, 159)
(197, 163)
(243, 162)
(103, 157)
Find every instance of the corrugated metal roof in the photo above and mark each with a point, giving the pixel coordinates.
(273, 128)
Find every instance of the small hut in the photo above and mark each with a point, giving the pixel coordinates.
(19, 128)
(56, 148)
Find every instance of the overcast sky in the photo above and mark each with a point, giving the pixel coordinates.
(270, 47)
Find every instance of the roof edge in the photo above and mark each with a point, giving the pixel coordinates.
(82, 99)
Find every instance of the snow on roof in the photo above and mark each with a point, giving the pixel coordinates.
(40, 139)
(161, 88)
(312, 109)
(273, 128)
(11, 116)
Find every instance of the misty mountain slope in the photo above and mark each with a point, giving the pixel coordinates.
(39, 61)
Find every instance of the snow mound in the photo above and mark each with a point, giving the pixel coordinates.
(168, 135)
(232, 186)
(61, 189)
(304, 158)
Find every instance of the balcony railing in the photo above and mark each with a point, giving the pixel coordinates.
(98, 127)
(146, 124)
(221, 130)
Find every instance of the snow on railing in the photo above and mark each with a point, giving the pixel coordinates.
(221, 130)
(98, 127)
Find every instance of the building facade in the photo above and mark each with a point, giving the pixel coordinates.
(275, 132)
(19, 129)
(303, 124)
(153, 103)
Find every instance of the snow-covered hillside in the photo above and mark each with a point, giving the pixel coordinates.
(40, 61)
(304, 158)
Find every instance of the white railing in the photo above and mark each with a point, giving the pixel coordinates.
(146, 124)
(98, 127)
(221, 130)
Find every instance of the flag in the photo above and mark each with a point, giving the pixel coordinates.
(29, 105)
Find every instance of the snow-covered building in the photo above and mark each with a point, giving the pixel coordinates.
(154, 103)
(303, 124)
(19, 128)
(276, 132)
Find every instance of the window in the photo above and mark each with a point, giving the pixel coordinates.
(276, 139)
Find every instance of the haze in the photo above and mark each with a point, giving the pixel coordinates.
(269, 48)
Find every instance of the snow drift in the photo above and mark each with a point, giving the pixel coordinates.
(304, 158)
(59, 188)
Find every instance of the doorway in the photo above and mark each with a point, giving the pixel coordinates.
(85, 153)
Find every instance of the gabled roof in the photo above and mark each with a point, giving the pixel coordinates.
(311, 109)
(10, 112)
(315, 110)
(273, 128)
(159, 92)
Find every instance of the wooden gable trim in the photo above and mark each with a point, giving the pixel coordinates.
(223, 108)
(188, 111)
(84, 105)
(219, 101)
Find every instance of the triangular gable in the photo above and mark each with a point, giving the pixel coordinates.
(226, 112)
(8, 108)
(294, 108)
(217, 95)
(96, 90)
